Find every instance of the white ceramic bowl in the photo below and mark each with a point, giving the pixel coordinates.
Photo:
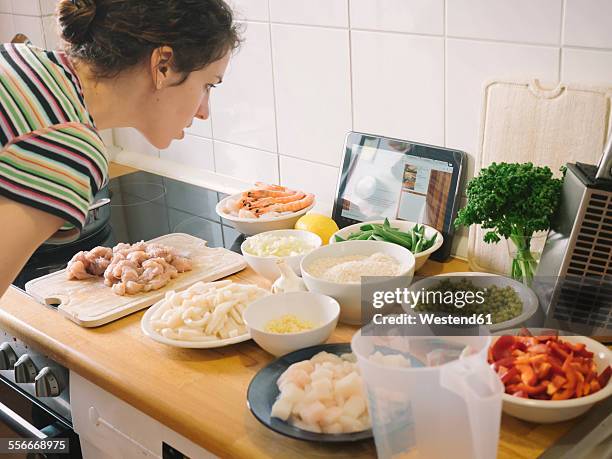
(266, 266)
(549, 411)
(319, 309)
(251, 226)
(481, 280)
(402, 225)
(349, 294)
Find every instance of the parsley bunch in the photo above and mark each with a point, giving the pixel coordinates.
(512, 201)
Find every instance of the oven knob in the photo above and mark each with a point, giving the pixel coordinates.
(25, 371)
(46, 384)
(7, 357)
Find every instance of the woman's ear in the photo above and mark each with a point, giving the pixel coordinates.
(161, 60)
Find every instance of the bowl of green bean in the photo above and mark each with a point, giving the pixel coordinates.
(506, 302)
(421, 240)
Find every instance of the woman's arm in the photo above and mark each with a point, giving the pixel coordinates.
(22, 229)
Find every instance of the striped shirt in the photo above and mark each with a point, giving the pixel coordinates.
(51, 155)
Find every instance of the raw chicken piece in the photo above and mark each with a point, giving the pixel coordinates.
(77, 270)
(137, 256)
(182, 264)
(160, 251)
(152, 268)
(130, 269)
(84, 265)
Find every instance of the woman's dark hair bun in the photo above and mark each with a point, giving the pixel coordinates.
(75, 19)
(114, 35)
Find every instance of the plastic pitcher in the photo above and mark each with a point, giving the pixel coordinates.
(452, 409)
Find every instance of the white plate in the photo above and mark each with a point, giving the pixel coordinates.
(145, 326)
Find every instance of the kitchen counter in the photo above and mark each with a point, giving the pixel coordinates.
(201, 394)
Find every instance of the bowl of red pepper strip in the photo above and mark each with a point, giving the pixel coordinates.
(550, 378)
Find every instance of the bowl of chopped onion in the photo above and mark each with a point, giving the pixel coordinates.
(286, 322)
(262, 250)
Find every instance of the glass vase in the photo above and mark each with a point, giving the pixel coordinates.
(525, 252)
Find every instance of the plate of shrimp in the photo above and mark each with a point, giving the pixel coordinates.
(264, 208)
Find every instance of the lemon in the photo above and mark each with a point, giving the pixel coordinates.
(321, 225)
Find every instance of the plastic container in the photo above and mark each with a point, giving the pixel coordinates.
(432, 412)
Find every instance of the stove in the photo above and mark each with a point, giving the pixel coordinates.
(144, 206)
(34, 390)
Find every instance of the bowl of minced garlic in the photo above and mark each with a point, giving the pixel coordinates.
(286, 322)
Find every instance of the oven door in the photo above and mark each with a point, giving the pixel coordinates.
(24, 417)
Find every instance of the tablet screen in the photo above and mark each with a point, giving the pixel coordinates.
(388, 178)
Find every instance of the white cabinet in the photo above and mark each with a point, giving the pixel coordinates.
(109, 428)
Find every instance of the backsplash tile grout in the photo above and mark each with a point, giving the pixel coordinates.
(278, 164)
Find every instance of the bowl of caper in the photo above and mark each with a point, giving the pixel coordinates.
(503, 302)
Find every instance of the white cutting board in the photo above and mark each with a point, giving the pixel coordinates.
(525, 122)
(90, 303)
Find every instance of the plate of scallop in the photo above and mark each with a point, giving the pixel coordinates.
(313, 394)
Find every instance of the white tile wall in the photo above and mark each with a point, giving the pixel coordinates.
(245, 163)
(469, 66)
(243, 106)
(517, 20)
(588, 23)
(51, 32)
(302, 175)
(203, 128)
(7, 29)
(312, 86)
(47, 7)
(31, 26)
(27, 7)
(310, 12)
(132, 140)
(250, 10)
(6, 7)
(587, 66)
(191, 151)
(398, 85)
(412, 16)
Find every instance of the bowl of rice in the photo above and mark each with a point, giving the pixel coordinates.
(338, 270)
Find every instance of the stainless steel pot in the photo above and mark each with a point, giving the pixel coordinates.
(97, 218)
(99, 213)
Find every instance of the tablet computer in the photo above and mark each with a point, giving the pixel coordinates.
(390, 178)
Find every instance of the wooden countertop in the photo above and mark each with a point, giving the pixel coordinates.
(176, 386)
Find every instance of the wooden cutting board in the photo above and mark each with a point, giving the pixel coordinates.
(525, 122)
(90, 303)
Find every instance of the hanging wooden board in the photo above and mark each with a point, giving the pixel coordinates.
(524, 122)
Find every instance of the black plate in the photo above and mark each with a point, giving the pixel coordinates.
(263, 391)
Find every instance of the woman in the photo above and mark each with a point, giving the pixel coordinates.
(147, 64)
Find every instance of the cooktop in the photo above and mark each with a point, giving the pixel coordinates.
(144, 206)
